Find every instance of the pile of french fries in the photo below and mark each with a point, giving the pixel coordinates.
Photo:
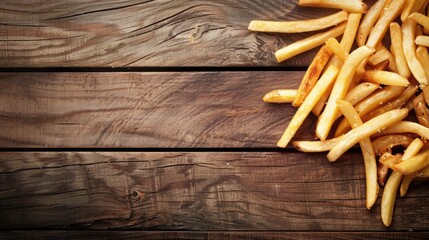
(363, 94)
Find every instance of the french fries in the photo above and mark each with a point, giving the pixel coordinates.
(380, 28)
(367, 151)
(312, 74)
(368, 21)
(321, 86)
(374, 87)
(308, 43)
(398, 50)
(339, 90)
(365, 130)
(354, 6)
(298, 26)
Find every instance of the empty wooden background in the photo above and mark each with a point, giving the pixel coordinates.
(143, 120)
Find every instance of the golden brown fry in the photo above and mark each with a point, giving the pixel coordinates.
(368, 22)
(398, 51)
(380, 28)
(421, 110)
(353, 6)
(298, 26)
(335, 47)
(425, 91)
(420, 19)
(385, 144)
(386, 78)
(388, 198)
(365, 130)
(413, 164)
(339, 90)
(312, 74)
(407, 9)
(408, 35)
(308, 43)
(407, 127)
(382, 172)
(367, 151)
(316, 146)
(423, 57)
(280, 96)
(321, 86)
(422, 41)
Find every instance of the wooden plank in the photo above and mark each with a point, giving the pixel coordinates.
(162, 235)
(145, 110)
(195, 191)
(119, 33)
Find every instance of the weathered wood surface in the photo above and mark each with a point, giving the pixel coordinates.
(195, 191)
(145, 110)
(138, 33)
(163, 235)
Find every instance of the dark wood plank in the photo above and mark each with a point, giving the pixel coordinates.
(156, 33)
(195, 191)
(145, 110)
(154, 235)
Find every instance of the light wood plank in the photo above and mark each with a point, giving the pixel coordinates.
(145, 110)
(195, 191)
(151, 33)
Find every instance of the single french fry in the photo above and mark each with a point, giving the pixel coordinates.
(398, 51)
(405, 184)
(312, 74)
(380, 28)
(280, 96)
(407, 127)
(367, 150)
(413, 164)
(368, 22)
(321, 86)
(420, 19)
(308, 43)
(386, 78)
(388, 198)
(316, 146)
(353, 6)
(339, 90)
(407, 9)
(298, 26)
(335, 47)
(365, 130)
(423, 57)
(408, 36)
(422, 41)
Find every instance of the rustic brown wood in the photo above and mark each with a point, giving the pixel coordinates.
(119, 33)
(145, 110)
(195, 191)
(162, 235)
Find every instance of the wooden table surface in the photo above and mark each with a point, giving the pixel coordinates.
(143, 119)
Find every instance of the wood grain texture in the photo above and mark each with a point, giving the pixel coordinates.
(145, 110)
(119, 33)
(195, 191)
(163, 235)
